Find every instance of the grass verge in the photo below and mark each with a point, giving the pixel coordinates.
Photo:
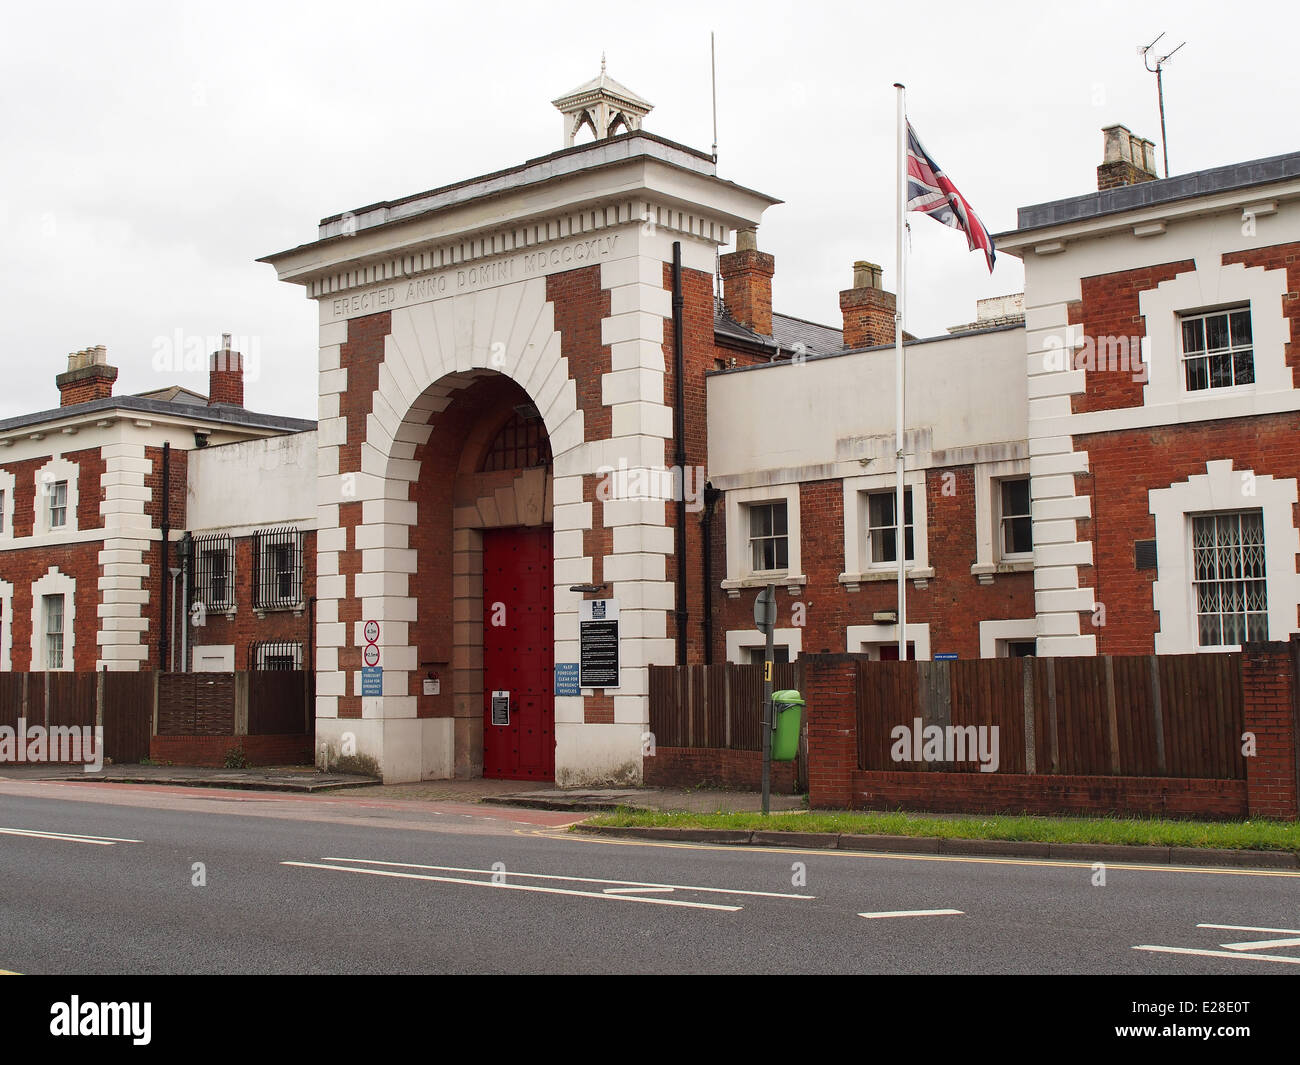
(1231, 835)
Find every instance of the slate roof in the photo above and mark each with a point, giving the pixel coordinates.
(787, 331)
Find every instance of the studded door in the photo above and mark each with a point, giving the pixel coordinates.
(518, 655)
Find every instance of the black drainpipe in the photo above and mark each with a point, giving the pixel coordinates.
(711, 497)
(679, 406)
(163, 577)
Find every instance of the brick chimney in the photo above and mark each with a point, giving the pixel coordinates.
(868, 309)
(226, 376)
(1127, 159)
(88, 377)
(747, 283)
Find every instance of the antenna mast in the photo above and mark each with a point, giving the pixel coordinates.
(1160, 89)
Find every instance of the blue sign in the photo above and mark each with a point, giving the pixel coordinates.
(566, 679)
(945, 658)
(372, 680)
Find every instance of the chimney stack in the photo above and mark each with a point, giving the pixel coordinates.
(87, 377)
(1127, 159)
(747, 283)
(226, 376)
(868, 309)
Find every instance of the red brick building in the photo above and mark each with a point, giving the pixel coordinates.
(97, 503)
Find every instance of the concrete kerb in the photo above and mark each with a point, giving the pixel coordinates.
(882, 844)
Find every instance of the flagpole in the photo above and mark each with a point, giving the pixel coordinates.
(900, 524)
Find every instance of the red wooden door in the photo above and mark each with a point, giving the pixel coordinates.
(518, 654)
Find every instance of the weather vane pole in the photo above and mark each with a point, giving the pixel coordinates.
(1160, 90)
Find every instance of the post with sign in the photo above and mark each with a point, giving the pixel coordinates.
(765, 622)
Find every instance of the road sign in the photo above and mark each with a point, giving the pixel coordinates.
(372, 680)
(765, 610)
(371, 632)
(945, 657)
(370, 655)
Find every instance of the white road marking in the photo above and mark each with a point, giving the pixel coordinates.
(1262, 944)
(577, 879)
(1250, 928)
(910, 913)
(1221, 954)
(517, 887)
(637, 890)
(64, 837)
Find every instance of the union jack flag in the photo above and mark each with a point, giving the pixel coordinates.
(930, 192)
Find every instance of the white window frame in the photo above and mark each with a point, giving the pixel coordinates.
(54, 583)
(1184, 358)
(6, 626)
(56, 470)
(995, 635)
(1000, 517)
(989, 560)
(858, 568)
(740, 572)
(7, 481)
(741, 640)
(774, 537)
(1213, 286)
(1222, 488)
(868, 639)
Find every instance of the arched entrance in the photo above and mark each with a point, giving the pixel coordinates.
(484, 603)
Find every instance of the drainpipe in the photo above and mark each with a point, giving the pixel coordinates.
(183, 620)
(679, 409)
(711, 497)
(163, 629)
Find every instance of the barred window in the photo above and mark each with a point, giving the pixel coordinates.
(1228, 578)
(520, 443)
(277, 555)
(275, 655)
(769, 537)
(1218, 351)
(214, 572)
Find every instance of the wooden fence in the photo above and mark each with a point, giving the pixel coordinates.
(717, 706)
(1167, 715)
(256, 703)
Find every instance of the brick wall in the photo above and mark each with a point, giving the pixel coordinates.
(1270, 789)
(1280, 257)
(24, 566)
(1268, 676)
(1125, 466)
(212, 750)
(1110, 307)
(692, 767)
(953, 603)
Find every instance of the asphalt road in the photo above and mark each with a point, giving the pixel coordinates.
(99, 878)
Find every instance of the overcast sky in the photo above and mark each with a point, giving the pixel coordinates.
(150, 152)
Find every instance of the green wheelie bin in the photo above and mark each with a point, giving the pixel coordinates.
(787, 708)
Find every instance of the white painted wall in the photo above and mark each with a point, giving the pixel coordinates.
(253, 483)
(816, 419)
